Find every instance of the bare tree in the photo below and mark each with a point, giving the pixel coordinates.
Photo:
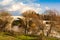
(50, 16)
(5, 17)
(33, 16)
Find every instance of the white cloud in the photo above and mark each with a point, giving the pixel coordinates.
(47, 8)
(23, 7)
(6, 2)
(14, 7)
(27, 1)
(20, 6)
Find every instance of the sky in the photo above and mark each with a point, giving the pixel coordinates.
(17, 7)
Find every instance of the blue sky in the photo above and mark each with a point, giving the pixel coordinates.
(16, 7)
(49, 1)
(53, 4)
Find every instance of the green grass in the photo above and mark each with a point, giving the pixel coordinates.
(6, 37)
(22, 37)
(3, 36)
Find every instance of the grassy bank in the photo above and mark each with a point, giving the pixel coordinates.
(3, 36)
